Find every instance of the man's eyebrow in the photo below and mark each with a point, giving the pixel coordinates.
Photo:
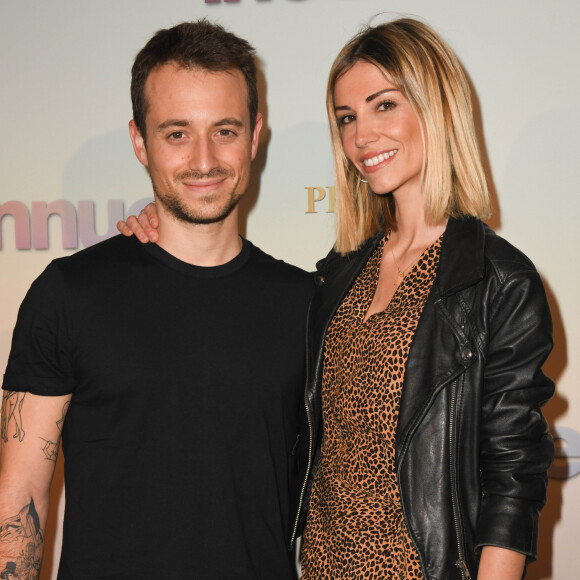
(183, 123)
(229, 121)
(173, 123)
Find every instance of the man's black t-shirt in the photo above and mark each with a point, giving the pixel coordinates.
(186, 384)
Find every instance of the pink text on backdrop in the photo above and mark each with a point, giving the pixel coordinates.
(31, 226)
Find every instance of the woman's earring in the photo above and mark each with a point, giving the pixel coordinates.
(361, 179)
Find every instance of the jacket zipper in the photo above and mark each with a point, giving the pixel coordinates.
(461, 563)
(436, 391)
(297, 519)
(309, 417)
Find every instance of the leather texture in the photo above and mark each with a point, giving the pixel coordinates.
(472, 446)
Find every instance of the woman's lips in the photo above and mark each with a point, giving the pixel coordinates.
(375, 162)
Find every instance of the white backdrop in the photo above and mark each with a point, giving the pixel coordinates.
(65, 71)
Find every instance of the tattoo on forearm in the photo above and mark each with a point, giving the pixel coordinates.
(50, 448)
(60, 422)
(26, 539)
(12, 413)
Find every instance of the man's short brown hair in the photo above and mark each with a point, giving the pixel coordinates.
(201, 44)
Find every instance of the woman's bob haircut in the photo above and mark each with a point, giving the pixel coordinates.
(419, 63)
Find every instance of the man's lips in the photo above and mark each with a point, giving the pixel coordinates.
(373, 162)
(203, 182)
(203, 185)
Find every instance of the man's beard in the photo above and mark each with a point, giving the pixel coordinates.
(173, 203)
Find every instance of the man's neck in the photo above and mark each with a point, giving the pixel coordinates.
(201, 244)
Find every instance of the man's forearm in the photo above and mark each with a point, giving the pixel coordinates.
(29, 438)
(21, 537)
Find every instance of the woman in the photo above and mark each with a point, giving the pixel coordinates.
(428, 334)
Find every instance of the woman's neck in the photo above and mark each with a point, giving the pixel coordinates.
(413, 230)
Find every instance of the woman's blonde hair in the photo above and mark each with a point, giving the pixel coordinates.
(422, 66)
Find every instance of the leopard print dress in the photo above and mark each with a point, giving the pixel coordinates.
(355, 527)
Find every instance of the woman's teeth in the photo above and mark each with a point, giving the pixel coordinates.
(379, 158)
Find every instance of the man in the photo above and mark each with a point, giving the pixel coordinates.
(178, 443)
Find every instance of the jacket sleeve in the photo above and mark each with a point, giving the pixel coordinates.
(516, 448)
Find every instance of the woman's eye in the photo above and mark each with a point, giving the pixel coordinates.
(345, 120)
(386, 106)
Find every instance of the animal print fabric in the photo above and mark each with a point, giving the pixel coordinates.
(355, 527)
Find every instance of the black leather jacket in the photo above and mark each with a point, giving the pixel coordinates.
(472, 448)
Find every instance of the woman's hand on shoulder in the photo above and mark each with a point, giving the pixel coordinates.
(143, 226)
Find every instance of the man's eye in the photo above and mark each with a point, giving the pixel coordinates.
(225, 132)
(176, 135)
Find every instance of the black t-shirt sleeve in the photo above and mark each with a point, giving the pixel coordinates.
(40, 360)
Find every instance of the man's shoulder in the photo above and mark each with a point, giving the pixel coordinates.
(278, 268)
(113, 255)
(116, 248)
(92, 267)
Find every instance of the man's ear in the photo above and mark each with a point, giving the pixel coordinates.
(256, 135)
(138, 143)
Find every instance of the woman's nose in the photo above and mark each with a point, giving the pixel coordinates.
(365, 132)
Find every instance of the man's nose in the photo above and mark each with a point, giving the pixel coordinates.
(202, 155)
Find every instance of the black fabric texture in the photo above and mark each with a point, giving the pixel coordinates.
(186, 384)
